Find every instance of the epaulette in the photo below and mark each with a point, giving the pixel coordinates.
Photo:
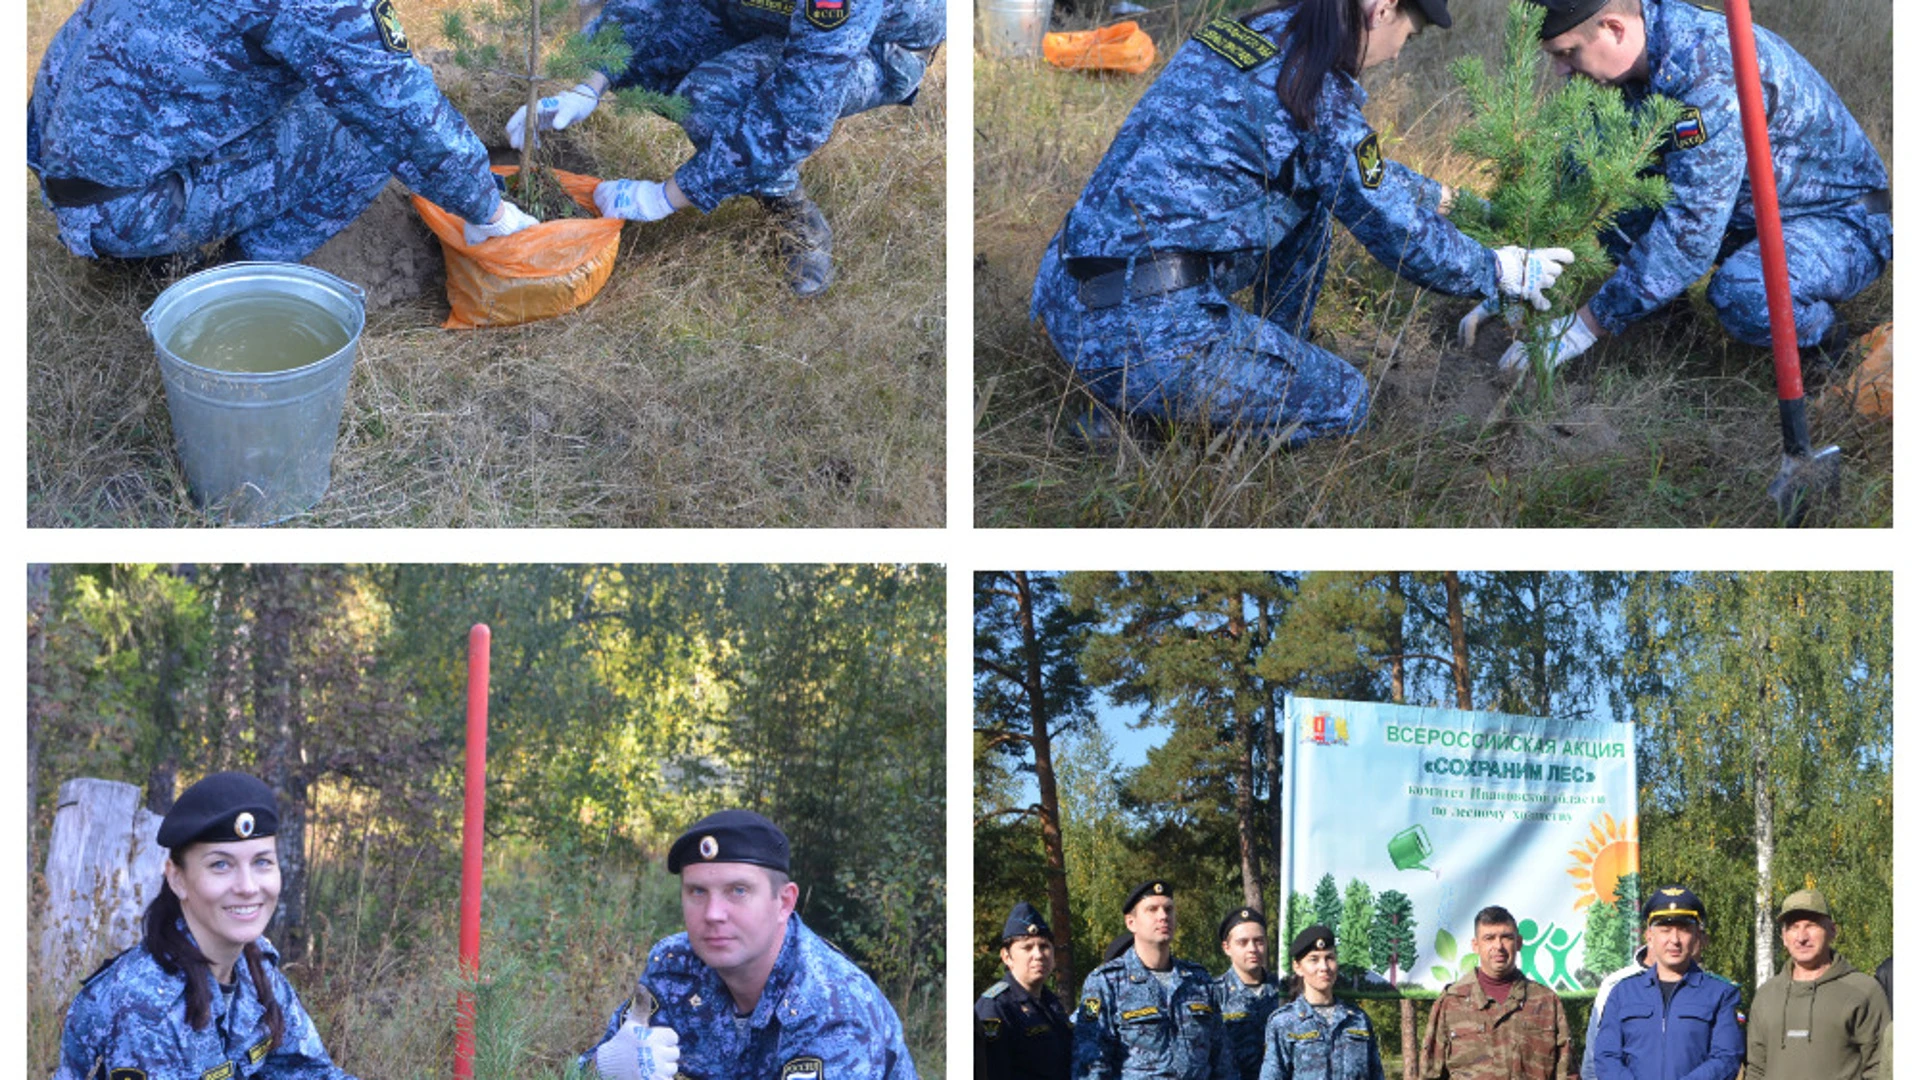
(105, 964)
(1242, 46)
(996, 989)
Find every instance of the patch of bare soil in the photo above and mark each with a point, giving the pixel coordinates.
(387, 251)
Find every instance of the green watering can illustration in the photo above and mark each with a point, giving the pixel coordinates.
(1410, 849)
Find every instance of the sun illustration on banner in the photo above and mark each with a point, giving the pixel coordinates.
(1611, 850)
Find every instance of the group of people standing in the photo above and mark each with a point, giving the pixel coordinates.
(1144, 1014)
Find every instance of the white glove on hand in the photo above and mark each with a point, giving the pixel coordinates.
(634, 200)
(639, 1053)
(510, 220)
(1528, 272)
(1470, 326)
(556, 112)
(1570, 338)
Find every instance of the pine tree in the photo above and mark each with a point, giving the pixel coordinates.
(1394, 946)
(1355, 932)
(1326, 902)
(522, 40)
(1563, 167)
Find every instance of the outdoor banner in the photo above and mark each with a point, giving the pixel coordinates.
(1401, 823)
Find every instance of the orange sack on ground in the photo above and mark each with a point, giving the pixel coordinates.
(539, 272)
(1869, 390)
(1120, 47)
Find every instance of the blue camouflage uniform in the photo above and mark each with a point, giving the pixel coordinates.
(1300, 1046)
(767, 79)
(817, 1010)
(1020, 1036)
(1696, 1036)
(1244, 1010)
(1211, 164)
(162, 125)
(1834, 206)
(1130, 1027)
(129, 1022)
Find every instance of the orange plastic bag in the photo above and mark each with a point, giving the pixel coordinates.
(539, 272)
(1869, 390)
(1121, 47)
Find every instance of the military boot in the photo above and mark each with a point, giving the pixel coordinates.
(806, 241)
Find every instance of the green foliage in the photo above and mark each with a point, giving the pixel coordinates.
(1394, 945)
(1299, 915)
(1326, 902)
(1354, 932)
(1563, 165)
(1448, 950)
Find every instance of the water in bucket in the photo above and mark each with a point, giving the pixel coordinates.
(256, 358)
(258, 334)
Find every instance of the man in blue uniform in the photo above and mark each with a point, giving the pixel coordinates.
(747, 990)
(1674, 1020)
(1214, 184)
(158, 126)
(1316, 1036)
(1020, 1029)
(1146, 1015)
(1248, 991)
(767, 80)
(1835, 207)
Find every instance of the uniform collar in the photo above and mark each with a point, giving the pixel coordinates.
(1651, 974)
(1478, 995)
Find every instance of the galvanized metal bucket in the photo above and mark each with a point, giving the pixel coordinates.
(257, 447)
(1012, 29)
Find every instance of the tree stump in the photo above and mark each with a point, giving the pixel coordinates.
(104, 864)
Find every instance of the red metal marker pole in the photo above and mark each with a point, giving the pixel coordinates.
(479, 641)
(1801, 470)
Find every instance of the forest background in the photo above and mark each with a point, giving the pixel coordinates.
(626, 703)
(1763, 704)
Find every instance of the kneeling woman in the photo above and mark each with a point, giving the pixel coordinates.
(201, 995)
(1224, 176)
(1315, 1036)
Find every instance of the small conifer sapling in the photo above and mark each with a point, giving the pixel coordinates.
(1562, 167)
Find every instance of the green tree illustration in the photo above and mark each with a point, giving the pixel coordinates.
(1355, 929)
(1392, 940)
(1326, 903)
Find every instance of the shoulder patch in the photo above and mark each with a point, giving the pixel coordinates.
(1092, 1005)
(1690, 130)
(1242, 47)
(829, 14)
(1373, 167)
(802, 1068)
(127, 1074)
(387, 21)
(996, 989)
(990, 1028)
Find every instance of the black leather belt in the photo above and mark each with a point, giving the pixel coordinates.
(1876, 202)
(71, 191)
(1105, 283)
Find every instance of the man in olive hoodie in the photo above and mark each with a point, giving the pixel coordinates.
(1820, 1018)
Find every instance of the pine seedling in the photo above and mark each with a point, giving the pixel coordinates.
(532, 42)
(1563, 165)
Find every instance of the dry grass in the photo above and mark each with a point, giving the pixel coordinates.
(1671, 424)
(694, 391)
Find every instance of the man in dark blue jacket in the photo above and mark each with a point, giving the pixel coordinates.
(1675, 1020)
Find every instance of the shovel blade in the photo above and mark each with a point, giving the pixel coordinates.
(1802, 481)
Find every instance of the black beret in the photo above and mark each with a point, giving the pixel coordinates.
(1313, 937)
(1564, 15)
(730, 836)
(1117, 946)
(1156, 887)
(1436, 13)
(1673, 902)
(222, 807)
(1024, 922)
(1239, 915)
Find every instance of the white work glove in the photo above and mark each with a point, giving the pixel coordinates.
(511, 219)
(1528, 272)
(556, 112)
(634, 200)
(1570, 338)
(1470, 325)
(639, 1053)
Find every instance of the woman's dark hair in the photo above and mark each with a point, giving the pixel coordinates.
(176, 954)
(1323, 36)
